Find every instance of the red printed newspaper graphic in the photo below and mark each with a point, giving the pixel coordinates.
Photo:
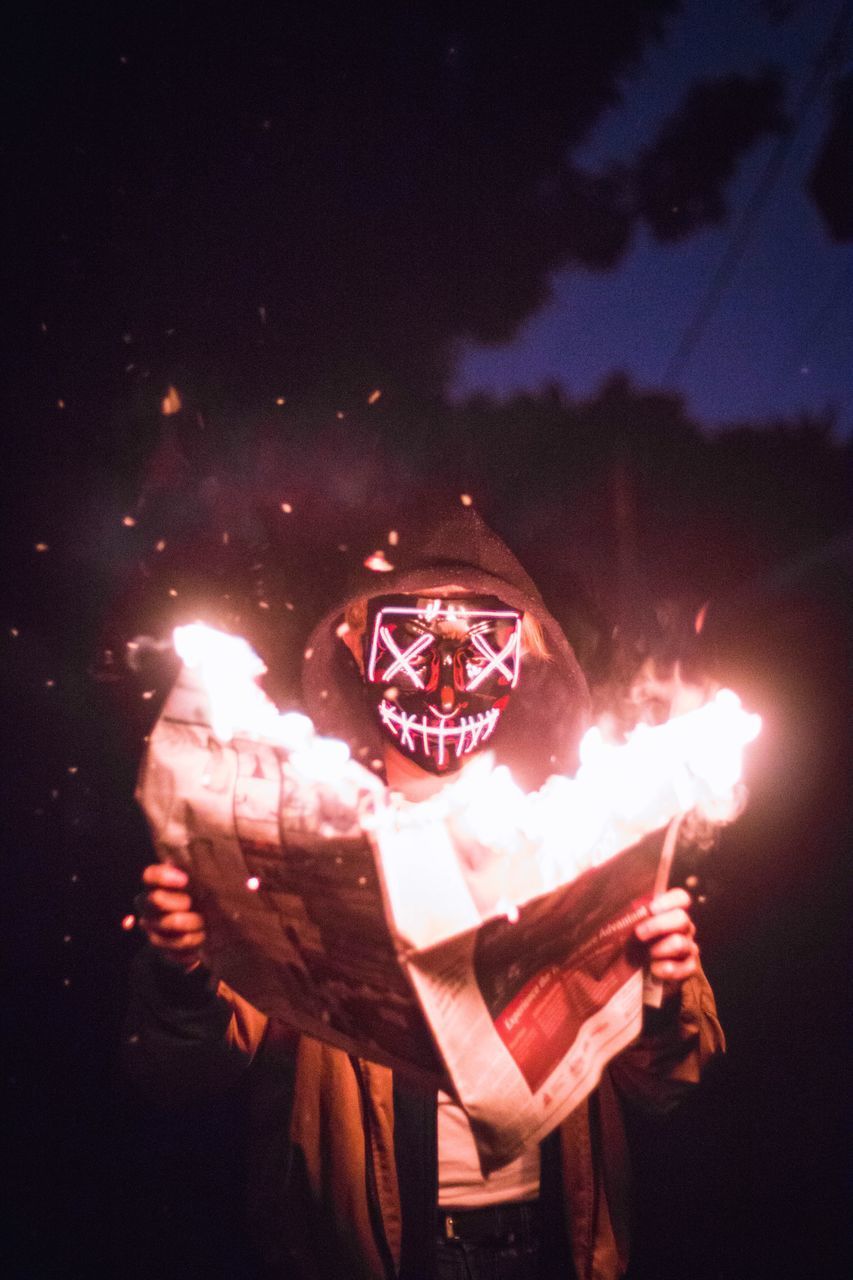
(543, 977)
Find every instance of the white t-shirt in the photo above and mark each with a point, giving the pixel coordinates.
(460, 1179)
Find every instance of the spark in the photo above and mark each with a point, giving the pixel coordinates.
(128, 922)
(466, 499)
(393, 537)
(280, 400)
(171, 402)
(49, 684)
(128, 522)
(60, 404)
(253, 883)
(374, 396)
(287, 508)
(161, 545)
(263, 604)
(378, 562)
(172, 592)
(13, 631)
(148, 694)
(42, 546)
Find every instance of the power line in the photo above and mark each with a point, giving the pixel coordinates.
(828, 54)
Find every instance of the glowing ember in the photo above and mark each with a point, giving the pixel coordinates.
(374, 396)
(286, 508)
(128, 922)
(253, 883)
(171, 402)
(378, 562)
(42, 546)
(128, 522)
(466, 499)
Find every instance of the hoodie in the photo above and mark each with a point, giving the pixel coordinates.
(548, 711)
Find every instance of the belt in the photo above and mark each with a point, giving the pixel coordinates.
(508, 1222)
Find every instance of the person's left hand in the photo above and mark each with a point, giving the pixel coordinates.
(669, 937)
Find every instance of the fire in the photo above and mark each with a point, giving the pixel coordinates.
(510, 844)
(229, 669)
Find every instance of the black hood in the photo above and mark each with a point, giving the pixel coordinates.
(548, 711)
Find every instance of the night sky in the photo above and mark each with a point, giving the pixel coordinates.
(778, 340)
(384, 256)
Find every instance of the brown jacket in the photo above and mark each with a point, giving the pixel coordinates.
(324, 1192)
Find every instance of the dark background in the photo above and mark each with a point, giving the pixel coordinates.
(281, 212)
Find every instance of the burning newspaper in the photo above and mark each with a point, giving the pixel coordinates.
(479, 940)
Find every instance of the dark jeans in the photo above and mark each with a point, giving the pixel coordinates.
(510, 1249)
(468, 1260)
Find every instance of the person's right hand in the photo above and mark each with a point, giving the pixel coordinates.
(167, 916)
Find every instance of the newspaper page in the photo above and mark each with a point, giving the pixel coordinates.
(318, 923)
(528, 1011)
(295, 919)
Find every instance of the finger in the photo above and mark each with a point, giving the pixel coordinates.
(674, 970)
(178, 922)
(674, 921)
(182, 943)
(164, 901)
(672, 898)
(673, 947)
(164, 875)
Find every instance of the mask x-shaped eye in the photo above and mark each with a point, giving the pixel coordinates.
(403, 658)
(496, 661)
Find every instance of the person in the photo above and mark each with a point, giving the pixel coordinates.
(356, 1173)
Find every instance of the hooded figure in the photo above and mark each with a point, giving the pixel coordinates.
(345, 1161)
(548, 710)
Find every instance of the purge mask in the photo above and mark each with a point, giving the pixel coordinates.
(440, 672)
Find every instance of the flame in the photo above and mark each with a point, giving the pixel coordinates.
(511, 845)
(229, 669)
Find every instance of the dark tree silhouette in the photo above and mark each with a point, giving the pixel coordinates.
(309, 198)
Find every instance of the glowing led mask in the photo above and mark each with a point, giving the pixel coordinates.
(440, 672)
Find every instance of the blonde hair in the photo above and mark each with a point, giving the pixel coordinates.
(533, 638)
